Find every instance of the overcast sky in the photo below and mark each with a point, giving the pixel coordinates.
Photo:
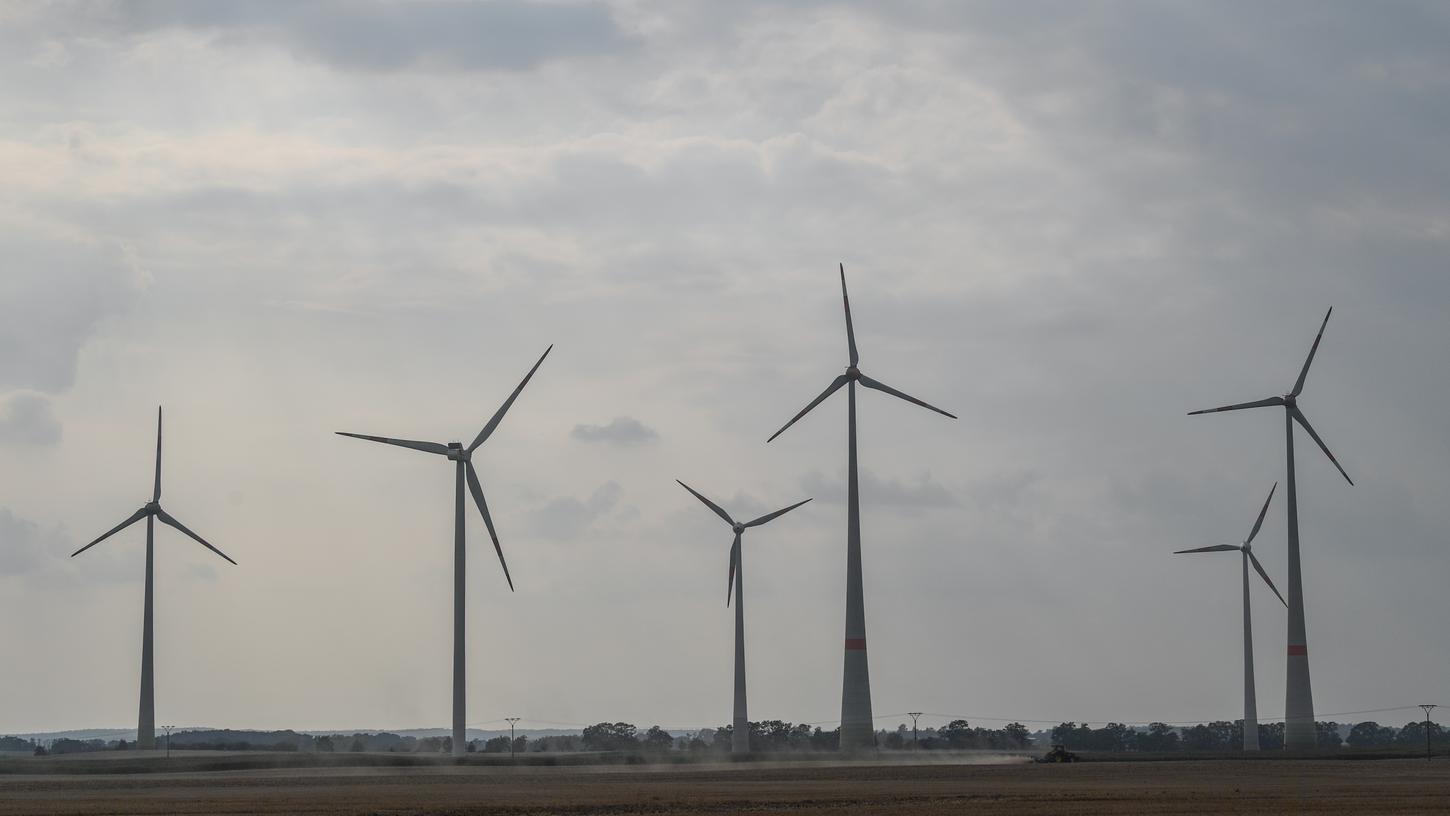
(1068, 223)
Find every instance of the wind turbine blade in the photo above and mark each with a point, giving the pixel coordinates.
(713, 506)
(768, 516)
(1265, 576)
(1259, 522)
(1302, 420)
(1214, 548)
(156, 494)
(135, 517)
(477, 490)
(1304, 372)
(734, 564)
(870, 383)
(850, 330)
(167, 519)
(503, 409)
(426, 447)
(1240, 406)
(830, 389)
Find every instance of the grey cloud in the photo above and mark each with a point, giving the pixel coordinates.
(24, 547)
(922, 492)
(27, 419)
(398, 36)
(620, 431)
(567, 518)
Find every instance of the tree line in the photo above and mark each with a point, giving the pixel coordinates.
(777, 736)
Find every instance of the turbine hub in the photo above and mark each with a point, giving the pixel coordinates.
(1289, 398)
(853, 372)
(456, 452)
(152, 506)
(738, 527)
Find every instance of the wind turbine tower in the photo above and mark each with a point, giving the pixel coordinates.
(462, 459)
(857, 724)
(1299, 733)
(151, 511)
(1251, 708)
(740, 730)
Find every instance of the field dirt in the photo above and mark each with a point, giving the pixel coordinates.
(1398, 786)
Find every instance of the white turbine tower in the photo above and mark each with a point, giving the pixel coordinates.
(1251, 707)
(740, 731)
(146, 723)
(1299, 733)
(857, 728)
(463, 472)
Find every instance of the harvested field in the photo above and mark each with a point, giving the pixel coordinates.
(1399, 786)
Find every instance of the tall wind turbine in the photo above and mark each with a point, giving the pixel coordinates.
(1299, 731)
(857, 730)
(1251, 708)
(740, 732)
(146, 723)
(463, 472)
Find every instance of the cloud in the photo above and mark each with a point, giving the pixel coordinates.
(27, 419)
(24, 547)
(923, 492)
(620, 431)
(54, 293)
(384, 36)
(567, 518)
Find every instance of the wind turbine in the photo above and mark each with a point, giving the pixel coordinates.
(1299, 733)
(857, 729)
(151, 511)
(1251, 708)
(463, 472)
(740, 733)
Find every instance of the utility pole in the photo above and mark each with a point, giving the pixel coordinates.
(1428, 709)
(915, 743)
(167, 729)
(511, 721)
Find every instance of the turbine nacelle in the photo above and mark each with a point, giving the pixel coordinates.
(457, 453)
(853, 373)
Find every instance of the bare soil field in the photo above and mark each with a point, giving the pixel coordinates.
(192, 784)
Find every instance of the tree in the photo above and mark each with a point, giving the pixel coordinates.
(1017, 735)
(324, 744)
(610, 737)
(1327, 735)
(521, 743)
(1158, 737)
(357, 746)
(658, 739)
(1371, 735)
(497, 745)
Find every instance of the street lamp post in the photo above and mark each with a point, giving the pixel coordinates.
(511, 721)
(167, 729)
(915, 743)
(1428, 708)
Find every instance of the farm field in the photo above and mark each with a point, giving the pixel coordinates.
(194, 784)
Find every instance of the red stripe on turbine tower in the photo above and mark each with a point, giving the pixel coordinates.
(1298, 650)
(856, 643)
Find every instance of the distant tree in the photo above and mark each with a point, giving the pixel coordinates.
(1326, 735)
(1017, 735)
(521, 744)
(957, 734)
(497, 745)
(357, 746)
(1371, 735)
(1271, 736)
(825, 740)
(892, 740)
(1158, 738)
(324, 744)
(658, 739)
(121, 745)
(40, 750)
(605, 736)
